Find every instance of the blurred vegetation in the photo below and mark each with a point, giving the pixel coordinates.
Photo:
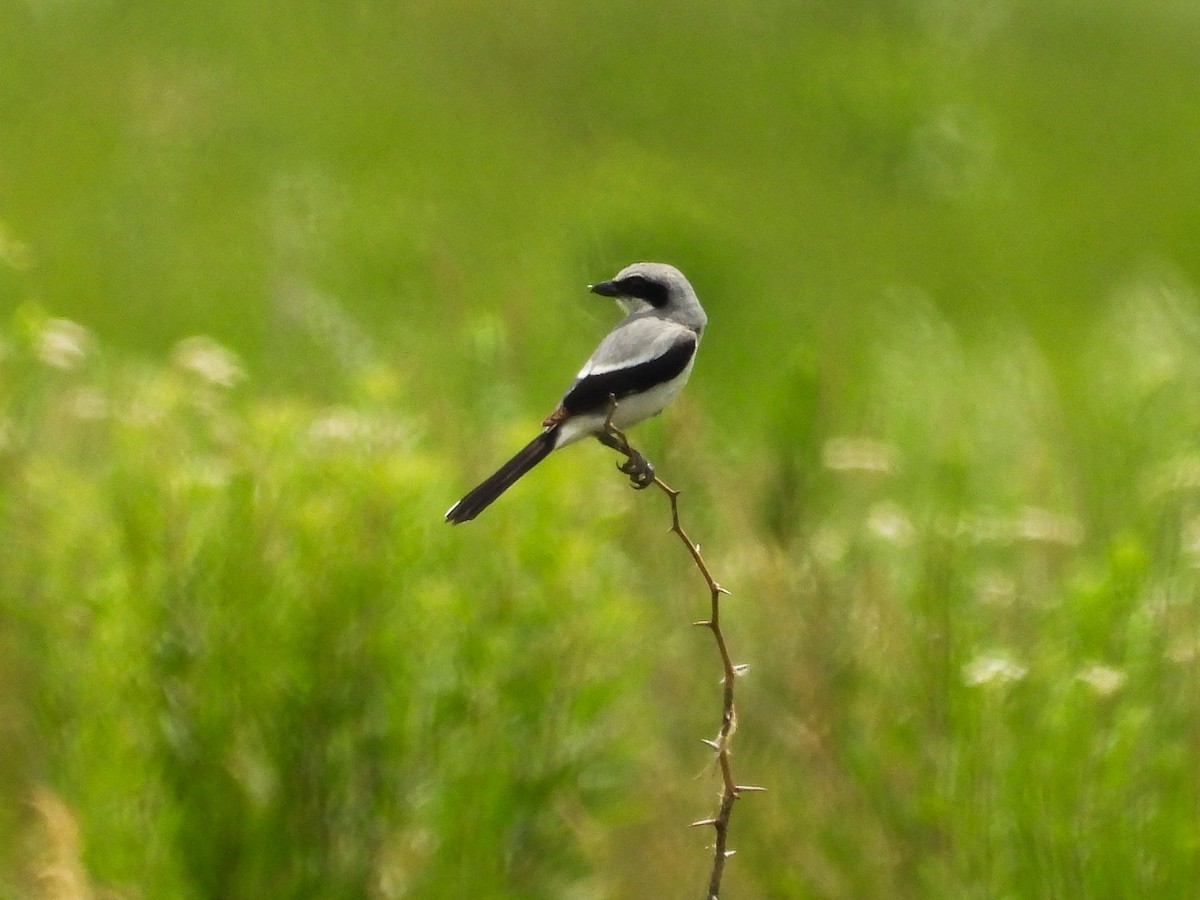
(942, 443)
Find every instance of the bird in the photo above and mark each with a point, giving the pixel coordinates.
(640, 366)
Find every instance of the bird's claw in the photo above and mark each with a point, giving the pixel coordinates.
(639, 470)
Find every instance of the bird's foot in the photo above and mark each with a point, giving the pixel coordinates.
(638, 468)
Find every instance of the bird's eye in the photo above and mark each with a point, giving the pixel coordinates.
(653, 292)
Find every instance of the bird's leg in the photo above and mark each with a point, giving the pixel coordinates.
(636, 466)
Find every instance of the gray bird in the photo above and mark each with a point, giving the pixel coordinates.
(643, 362)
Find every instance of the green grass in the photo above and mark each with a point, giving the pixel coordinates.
(941, 443)
(248, 656)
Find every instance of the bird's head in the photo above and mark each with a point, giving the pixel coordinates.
(646, 285)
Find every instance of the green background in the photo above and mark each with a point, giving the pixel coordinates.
(942, 443)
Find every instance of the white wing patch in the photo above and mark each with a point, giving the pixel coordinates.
(633, 342)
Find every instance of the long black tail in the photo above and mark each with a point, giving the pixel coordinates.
(505, 477)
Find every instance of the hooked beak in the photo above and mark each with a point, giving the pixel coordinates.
(605, 289)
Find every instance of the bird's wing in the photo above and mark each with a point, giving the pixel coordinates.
(636, 355)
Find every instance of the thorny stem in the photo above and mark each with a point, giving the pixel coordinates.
(641, 474)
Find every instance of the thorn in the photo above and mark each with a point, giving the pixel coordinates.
(701, 822)
(741, 668)
(712, 744)
(748, 788)
(729, 853)
(702, 623)
(722, 590)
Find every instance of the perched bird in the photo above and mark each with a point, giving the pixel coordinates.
(642, 364)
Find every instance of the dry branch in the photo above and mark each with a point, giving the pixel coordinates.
(642, 475)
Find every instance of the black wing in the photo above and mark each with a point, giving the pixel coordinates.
(590, 393)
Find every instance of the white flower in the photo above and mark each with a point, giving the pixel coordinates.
(206, 358)
(846, 454)
(890, 522)
(1104, 680)
(340, 425)
(1031, 523)
(64, 344)
(1045, 527)
(994, 588)
(992, 668)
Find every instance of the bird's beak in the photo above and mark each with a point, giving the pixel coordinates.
(605, 289)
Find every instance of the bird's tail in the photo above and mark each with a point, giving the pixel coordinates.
(505, 477)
